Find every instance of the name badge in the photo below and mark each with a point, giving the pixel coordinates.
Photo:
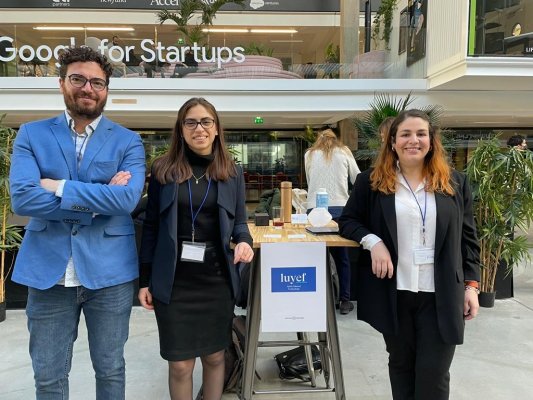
(193, 251)
(424, 255)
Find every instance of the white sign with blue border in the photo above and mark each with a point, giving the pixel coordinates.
(293, 287)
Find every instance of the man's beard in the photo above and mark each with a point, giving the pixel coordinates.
(81, 111)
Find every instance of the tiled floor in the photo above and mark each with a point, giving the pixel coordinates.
(495, 363)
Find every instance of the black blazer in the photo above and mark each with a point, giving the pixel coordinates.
(159, 244)
(456, 255)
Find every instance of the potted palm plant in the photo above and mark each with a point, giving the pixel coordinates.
(502, 186)
(9, 235)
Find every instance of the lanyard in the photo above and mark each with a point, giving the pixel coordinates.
(193, 214)
(422, 214)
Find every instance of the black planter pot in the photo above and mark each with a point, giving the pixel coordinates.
(503, 284)
(2, 311)
(486, 299)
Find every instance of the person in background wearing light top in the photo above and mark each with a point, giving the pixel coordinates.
(78, 176)
(330, 164)
(419, 276)
(196, 207)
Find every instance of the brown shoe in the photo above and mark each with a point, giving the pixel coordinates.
(346, 307)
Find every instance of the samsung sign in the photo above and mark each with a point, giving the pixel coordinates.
(151, 52)
(250, 5)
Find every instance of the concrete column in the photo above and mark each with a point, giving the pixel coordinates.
(348, 133)
(349, 34)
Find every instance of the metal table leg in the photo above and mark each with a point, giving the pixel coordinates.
(333, 339)
(309, 359)
(253, 319)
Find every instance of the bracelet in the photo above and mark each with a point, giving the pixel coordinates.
(472, 283)
(475, 289)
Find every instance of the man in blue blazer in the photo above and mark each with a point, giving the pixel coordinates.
(78, 176)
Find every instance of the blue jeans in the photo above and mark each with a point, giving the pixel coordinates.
(53, 318)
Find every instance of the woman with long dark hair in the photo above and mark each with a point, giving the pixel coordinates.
(196, 207)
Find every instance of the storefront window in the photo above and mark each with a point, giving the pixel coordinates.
(503, 28)
(266, 157)
(465, 141)
(162, 51)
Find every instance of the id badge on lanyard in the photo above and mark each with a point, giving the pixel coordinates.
(193, 252)
(424, 255)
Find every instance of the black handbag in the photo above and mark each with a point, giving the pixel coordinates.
(292, 363)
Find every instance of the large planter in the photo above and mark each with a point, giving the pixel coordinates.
(486, 299)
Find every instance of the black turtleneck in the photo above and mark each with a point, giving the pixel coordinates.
(207, 221)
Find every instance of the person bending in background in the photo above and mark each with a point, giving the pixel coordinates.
(419, 273)
(196, 207)
(330, 164)
(78, 176)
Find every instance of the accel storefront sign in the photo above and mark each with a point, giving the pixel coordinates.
(150, 52)
(249, 5)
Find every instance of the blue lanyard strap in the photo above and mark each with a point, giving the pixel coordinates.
(193, 214)
(422, 214)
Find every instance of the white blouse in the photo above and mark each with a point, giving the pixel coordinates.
(409, 275)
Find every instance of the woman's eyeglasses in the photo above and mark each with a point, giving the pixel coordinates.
(80, 81)
(205, 122)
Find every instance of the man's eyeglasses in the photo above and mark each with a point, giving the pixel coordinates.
(80, 81)
(205, 122)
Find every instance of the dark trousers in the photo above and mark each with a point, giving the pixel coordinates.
(342, 261)
(419, 361)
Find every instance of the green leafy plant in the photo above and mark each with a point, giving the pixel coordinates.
(502, 186)
(382, 107)
(333, 53)
(308, 135)
(258, 49)
(188, 9)
(383, 21)
(10, 237)
(332, 58)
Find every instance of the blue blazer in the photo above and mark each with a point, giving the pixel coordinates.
(159, 245)
(91, 221)
(456, 254)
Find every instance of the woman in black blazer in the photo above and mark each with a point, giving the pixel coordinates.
(418, 279)
(196, 208)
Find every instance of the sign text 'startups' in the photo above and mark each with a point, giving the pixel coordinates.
(149, 51)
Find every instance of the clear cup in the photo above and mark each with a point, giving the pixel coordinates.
(277, 216)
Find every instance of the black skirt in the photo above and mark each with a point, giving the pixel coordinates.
(197, 321)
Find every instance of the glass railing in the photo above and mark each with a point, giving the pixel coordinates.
(26, 52)
(371, 65)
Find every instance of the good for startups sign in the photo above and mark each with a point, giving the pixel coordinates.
(151, 52)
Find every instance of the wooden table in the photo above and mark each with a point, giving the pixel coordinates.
(328, 341)
(291, 233)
